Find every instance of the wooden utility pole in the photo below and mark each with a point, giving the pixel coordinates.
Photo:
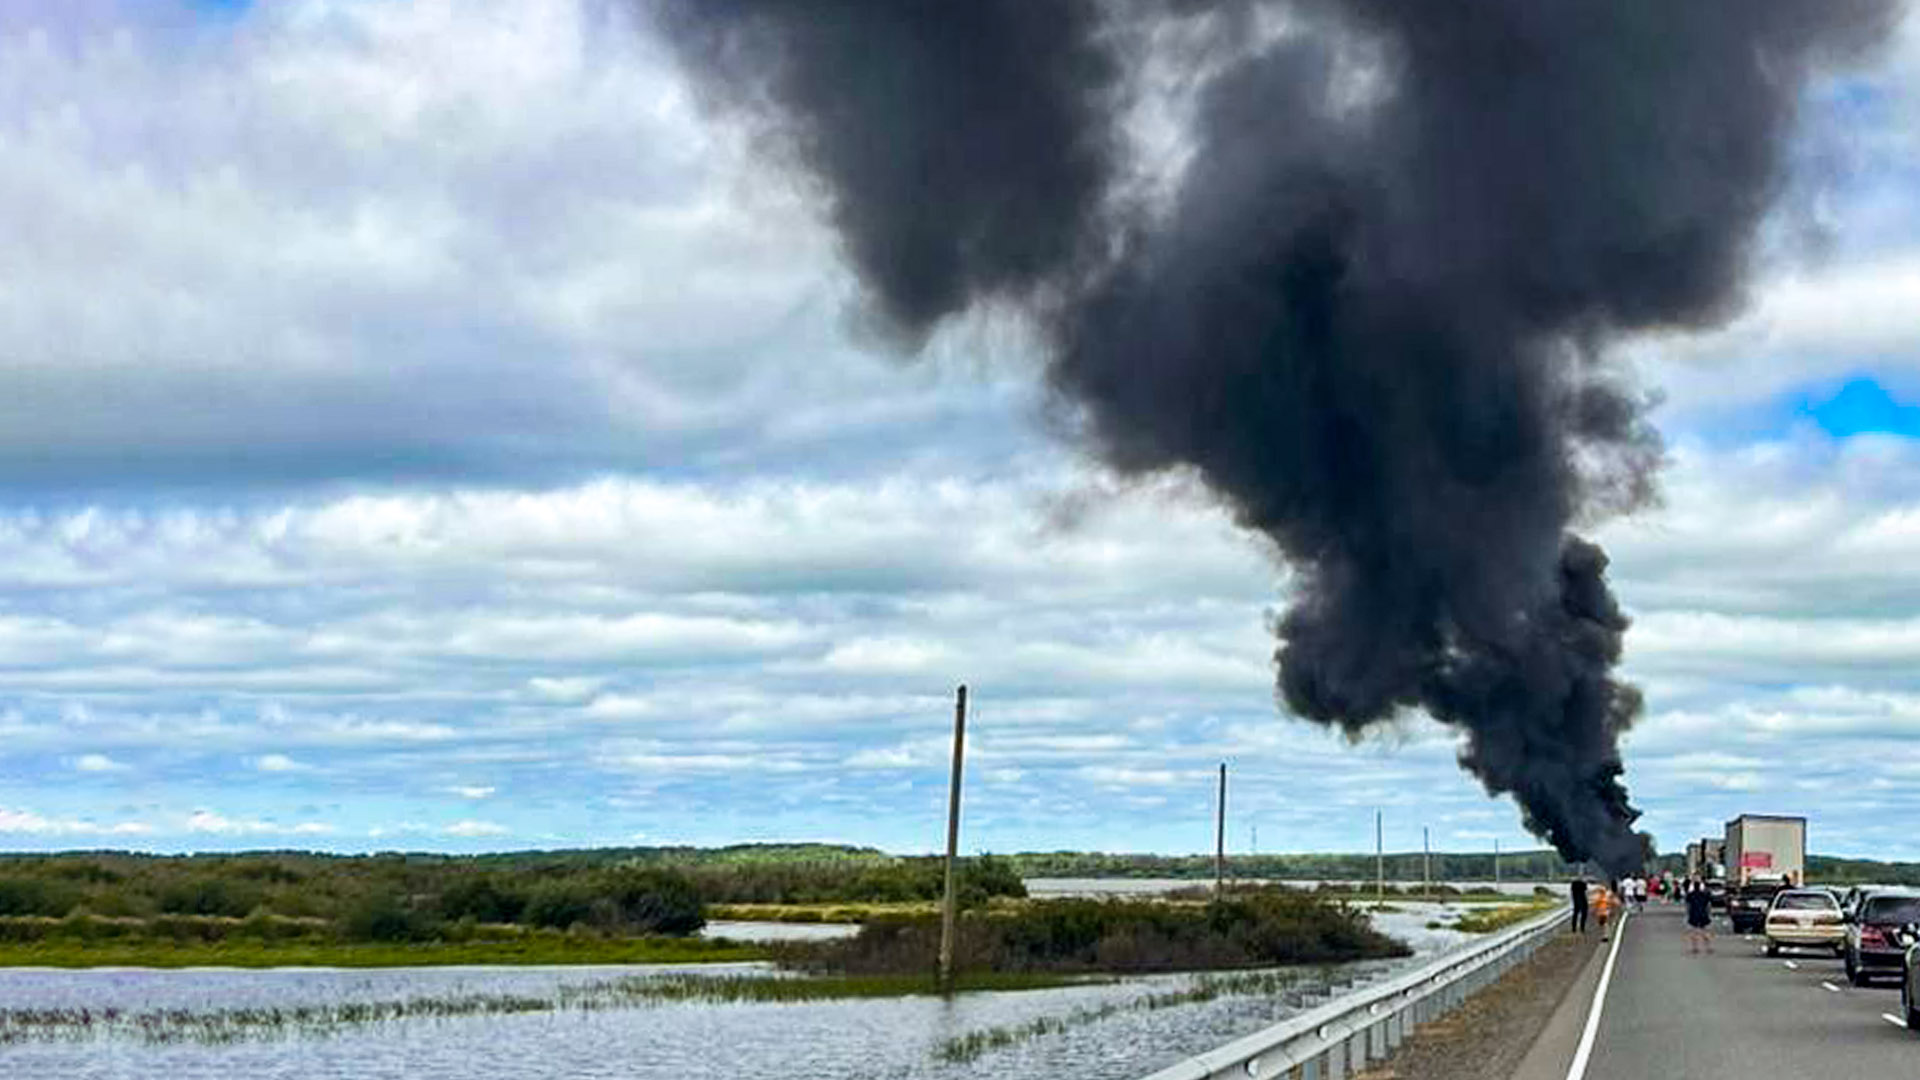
(1220, 836)
(953, 837)
(1379, 861)
(1426, 863)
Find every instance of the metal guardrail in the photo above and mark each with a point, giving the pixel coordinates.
(1340, 1038)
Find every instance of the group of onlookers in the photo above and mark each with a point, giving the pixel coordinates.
(1632, 890)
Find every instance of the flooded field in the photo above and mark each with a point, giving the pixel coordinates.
(554, 1023)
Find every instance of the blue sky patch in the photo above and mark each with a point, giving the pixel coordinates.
(1860, 406)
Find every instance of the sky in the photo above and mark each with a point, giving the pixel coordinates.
(423, 427)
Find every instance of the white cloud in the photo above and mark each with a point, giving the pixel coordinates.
(208, 821)
(97, 763)
(16, 821)
(473, 792)
(474, 829)
(278, 763)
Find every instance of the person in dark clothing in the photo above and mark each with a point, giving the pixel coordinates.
(1699, 917)
(1579, 891)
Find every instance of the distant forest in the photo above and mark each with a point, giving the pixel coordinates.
(396, 897)
(627, 891)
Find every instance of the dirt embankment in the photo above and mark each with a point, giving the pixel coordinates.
(1486, 1038)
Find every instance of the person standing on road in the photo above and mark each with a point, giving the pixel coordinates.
(1578, 890)
(1699, 917)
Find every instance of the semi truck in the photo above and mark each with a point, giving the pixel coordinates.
(1764, 853)
(1766, 848)
(1706, 859)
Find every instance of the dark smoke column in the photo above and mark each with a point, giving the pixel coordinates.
(1374, 319)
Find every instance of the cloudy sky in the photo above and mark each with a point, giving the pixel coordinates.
(421, 428)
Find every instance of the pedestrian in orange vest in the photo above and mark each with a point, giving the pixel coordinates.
(1602, 909)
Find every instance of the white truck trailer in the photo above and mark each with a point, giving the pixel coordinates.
(1766, 848)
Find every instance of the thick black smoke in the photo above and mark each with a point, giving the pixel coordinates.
(1374, 317)
(965, 144)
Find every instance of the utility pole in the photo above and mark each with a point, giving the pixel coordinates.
(1220, 836)
(1426, 863)
(1496, 864)
(953, 837)
(1379, 862)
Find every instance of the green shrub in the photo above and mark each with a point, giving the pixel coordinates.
(34, 896)
(483, 898)
(385, 917)
(211, 896)
(654, 901)
(559, 904)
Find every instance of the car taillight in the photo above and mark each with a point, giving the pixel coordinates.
(1873, 935)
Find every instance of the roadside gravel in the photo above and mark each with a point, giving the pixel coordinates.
(1489, 1035)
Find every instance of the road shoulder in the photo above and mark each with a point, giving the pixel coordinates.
(1495, 1030)
(1552, 1051)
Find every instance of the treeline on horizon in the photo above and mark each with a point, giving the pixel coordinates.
(624, 892)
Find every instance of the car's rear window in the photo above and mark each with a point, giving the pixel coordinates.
(1806, 901)
(1892, 909)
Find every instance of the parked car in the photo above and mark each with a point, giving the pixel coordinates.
(1872, 947)
(1805, 919)
(1850, 899)
(1716, 892)
(1909, 935)
(1747, 904)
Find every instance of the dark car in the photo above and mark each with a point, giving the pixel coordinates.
(1747, 904)
(1873, 929)
(1910, 977)
(1850, 899)
(1716, 892)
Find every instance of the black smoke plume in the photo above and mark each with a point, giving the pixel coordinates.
(1374, 316)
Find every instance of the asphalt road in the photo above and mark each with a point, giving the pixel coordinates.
(1738, 1015)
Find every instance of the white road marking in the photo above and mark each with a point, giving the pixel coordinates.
(1831, 987)
(1892, 1019)
(1578, 1069)
(1791, 966)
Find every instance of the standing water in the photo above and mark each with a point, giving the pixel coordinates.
(140, 1023)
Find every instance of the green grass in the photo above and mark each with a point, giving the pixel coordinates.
(1486, 922)
(541, 949)
(818, 913)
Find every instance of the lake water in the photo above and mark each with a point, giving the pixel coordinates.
(1106, 1032)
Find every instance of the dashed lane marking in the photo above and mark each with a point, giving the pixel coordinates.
(1831, 987)
(1892, 1019)
(1791, 966)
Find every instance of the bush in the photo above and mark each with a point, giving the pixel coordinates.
(32, 896)
(384, 917)
(211, 896)
(483, 899)
(1249, 929)
(654, 902)
(559, 904)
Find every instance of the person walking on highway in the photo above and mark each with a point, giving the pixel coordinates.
(1699, 917)
(1603, 899)
(1578, 890)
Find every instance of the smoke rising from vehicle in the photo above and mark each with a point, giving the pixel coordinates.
(1374, 314)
